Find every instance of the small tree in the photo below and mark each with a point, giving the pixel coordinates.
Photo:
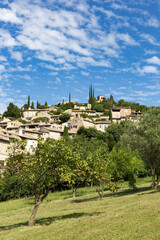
(64, 117)
(97, 168)
(125, 164)
(44, 169)
(98, 107)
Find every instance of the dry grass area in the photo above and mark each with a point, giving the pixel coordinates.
(119, 216)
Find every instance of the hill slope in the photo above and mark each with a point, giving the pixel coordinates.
(119, 216)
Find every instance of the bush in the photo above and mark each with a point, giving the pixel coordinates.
(98, 108)
(22, 121)
(41, 119)
(64, 117)
(12, 187)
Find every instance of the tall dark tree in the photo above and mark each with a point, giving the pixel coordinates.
(32, 106)
(28, 101)
(91, 95)
(69, 97)
(38, 105)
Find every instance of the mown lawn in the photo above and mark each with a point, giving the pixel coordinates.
(119, 216)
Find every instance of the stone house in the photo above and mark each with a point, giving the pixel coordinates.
(82, 106)
(120, 113)
(102, 125)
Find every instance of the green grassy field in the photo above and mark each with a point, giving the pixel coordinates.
(123, 215)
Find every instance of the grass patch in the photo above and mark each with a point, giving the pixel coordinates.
(124, 215)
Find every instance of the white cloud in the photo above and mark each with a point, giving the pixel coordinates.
(154, 60)
(2, 68)
(127, 39)
(60, 35)
(150, 39)
(153, 22)
(150, 52)
(85, 73)
(145, 94)
(3, 59)
(16, 55)
(58, 81)
(147, 69)
(6, 40)
(7, 15)
(122, 88)
(53, 73)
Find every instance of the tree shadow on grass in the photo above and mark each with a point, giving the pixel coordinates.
(48, 220)
(128, 192)
(115, 194)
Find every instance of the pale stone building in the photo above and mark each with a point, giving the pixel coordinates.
(82, 106)
(102, 125)
(120, 113)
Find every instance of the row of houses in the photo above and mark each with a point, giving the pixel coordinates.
(31, 131)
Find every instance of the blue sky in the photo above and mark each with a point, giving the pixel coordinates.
(48, 49)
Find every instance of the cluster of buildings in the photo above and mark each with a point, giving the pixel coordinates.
(31, 131)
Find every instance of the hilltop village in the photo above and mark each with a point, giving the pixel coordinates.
(50, 122)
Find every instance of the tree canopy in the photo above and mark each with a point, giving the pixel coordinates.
(12, 111)
(144, 136)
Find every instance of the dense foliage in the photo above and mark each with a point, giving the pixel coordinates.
(64, 117)
(144, 136)
(41, 119)
(12, 111)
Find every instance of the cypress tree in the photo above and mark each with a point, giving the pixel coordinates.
(28, 101)
(38, 104)
(65, 134)
(69, 97)
(32, 106)
(93, 92)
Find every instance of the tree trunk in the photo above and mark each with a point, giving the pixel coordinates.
(158, 181)
(122, 185)
(74, 192)
(100, 193)
(34, 212)
(101, 196)
(153, 178)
